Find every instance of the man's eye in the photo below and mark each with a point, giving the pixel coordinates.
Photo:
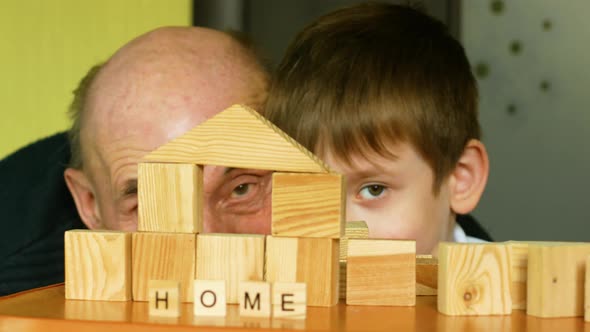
(241, 190)
(372, 191)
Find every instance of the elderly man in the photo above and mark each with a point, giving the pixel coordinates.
(152, 90)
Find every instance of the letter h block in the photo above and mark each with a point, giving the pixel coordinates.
(164, 299)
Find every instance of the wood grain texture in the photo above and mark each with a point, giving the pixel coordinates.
(473, 279)
(97, 265)
(289, 300)
(555, 279)
(426, 275)
(587, 292)
(238, 137)
(352, 230)
(313, 261)
(255, 299)
(342, 280)
(230, 257)
(170, 198)
(519, 256)
(381, 272)
(163, 256)
(164, 298)
(210, 298)
(308, 205)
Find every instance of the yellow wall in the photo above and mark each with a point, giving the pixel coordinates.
(48, 45)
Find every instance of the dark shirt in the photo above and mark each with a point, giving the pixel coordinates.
(37, 209)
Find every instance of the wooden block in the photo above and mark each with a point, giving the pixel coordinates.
(170, 198)
(342, 280)
(230, 257)
(254, 299)
(97, 265)
(426, 275)
(352, 230)
(555, 279)
(164, 298)
(289, 300)
(163, 256)
(313, 261)
(519, 256)
(239, 137)
(473, 279)
(308, 205)
(381, 272)
(209, 298)
(587, 292)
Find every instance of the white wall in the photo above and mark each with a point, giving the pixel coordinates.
(540, 157)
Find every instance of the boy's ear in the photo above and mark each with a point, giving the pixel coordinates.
(83, 193)
(469, 178)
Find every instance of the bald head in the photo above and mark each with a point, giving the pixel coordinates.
(153, 89)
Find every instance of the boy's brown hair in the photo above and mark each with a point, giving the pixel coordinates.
(364, 77)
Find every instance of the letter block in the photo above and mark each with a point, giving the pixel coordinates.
(473, 279)
(254, 299)
(230, 257)
(170, 198)
(381, 272)
(308, 205)
(209, 298)
(555, 283)
(313, 261)
(97, 265)
(164, 299)
(289, 300)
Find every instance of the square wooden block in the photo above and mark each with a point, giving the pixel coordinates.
(97, 265)
(164, 298)
(254, 299)
(381, 272)
(313, 261)
(555, 279)
(230, 257)
(163, 256)
(473, 279)
(289, 300)
(170, 198)
(209, 298)
(308, 205)
(519, 257)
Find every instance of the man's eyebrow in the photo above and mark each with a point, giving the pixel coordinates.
(130, 188)
(227, 170)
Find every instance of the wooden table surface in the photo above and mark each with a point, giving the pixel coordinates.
(45, 309)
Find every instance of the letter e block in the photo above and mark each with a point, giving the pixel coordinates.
(381, 272)
(289, 300)
(164, 299)
(254, 299)
(308, 205)
(209, 298)
(170, 198)
(97, 265)
(473, 279)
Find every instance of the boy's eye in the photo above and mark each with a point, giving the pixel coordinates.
(241, 190)
(372, 191)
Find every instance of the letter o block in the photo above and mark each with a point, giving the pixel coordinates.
(209, 298)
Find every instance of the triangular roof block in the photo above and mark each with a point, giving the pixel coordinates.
(239, 137)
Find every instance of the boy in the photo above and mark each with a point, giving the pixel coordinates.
(386, 97)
